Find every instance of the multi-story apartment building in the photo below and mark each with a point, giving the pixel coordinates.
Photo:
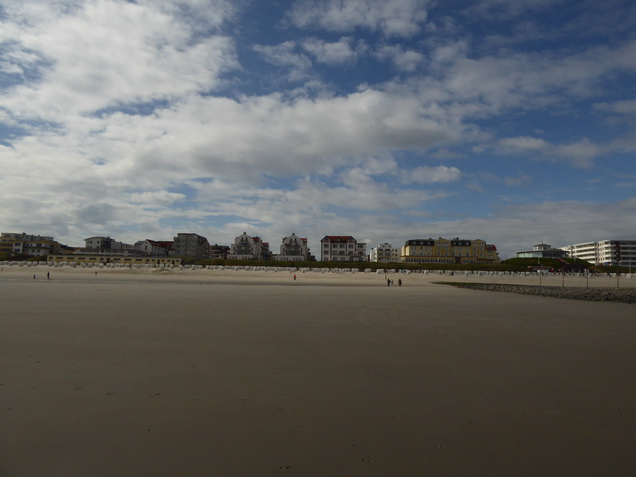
(292, 249)
(342, 248)
(384, 253)
(442, 250)
(605, 252)
(108, 246)
(190, 245)
(26, 244)
(248, 248)
(219, 251)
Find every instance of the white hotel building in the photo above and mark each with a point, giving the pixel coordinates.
(605, 252)
(342, 248)
(384, 253)
(293, 248)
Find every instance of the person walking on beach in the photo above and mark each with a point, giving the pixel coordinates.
(388, 282)
(400, 282)
(48, 275)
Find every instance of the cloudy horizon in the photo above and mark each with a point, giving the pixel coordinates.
(511, 122)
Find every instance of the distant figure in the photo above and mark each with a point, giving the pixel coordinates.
(400, 282)
(294, 276)
(34, 276)
(388, 282)
(48, 275)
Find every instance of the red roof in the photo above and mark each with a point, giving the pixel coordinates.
(162, 244)
(338, 238)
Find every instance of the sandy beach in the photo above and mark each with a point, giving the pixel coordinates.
(244, 373)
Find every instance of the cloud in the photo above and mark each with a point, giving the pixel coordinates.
(403, 60)
(257, 137)
(504, 10)
(285, 55)
(484, 85)
(124, 117)
(331, 53)
(108, 53)
(518, 180)
(160, 198)
(402, 18)
(430, 175)
(579, 154)
(96, 214)
(621, 107)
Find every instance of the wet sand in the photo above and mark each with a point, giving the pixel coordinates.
(248, 374)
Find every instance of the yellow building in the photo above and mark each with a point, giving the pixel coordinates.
(442, 250)
(6, 243)
(27, 244)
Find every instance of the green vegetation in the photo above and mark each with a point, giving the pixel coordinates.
(554, 263)
(20, 257)
(614, 269)
(515, 265)
(510, 265)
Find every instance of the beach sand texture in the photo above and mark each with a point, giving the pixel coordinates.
(255, 374)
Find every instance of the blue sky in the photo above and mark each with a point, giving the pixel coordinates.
(512, 122)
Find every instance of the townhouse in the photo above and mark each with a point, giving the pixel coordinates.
(342, 248)
(246, 247)
(293, 248)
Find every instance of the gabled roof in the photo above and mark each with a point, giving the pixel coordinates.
(338, 238)
(161, 243)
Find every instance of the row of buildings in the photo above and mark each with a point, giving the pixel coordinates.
(333, 248)
(338, 248)
(603, 252)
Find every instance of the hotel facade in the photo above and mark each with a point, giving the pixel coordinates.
(447, 251)
(342, 248)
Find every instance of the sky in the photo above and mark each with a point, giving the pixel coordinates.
(510, 122)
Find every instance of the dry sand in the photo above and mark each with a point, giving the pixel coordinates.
(234, 373)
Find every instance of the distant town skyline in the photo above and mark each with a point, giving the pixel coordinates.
(510, 122)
